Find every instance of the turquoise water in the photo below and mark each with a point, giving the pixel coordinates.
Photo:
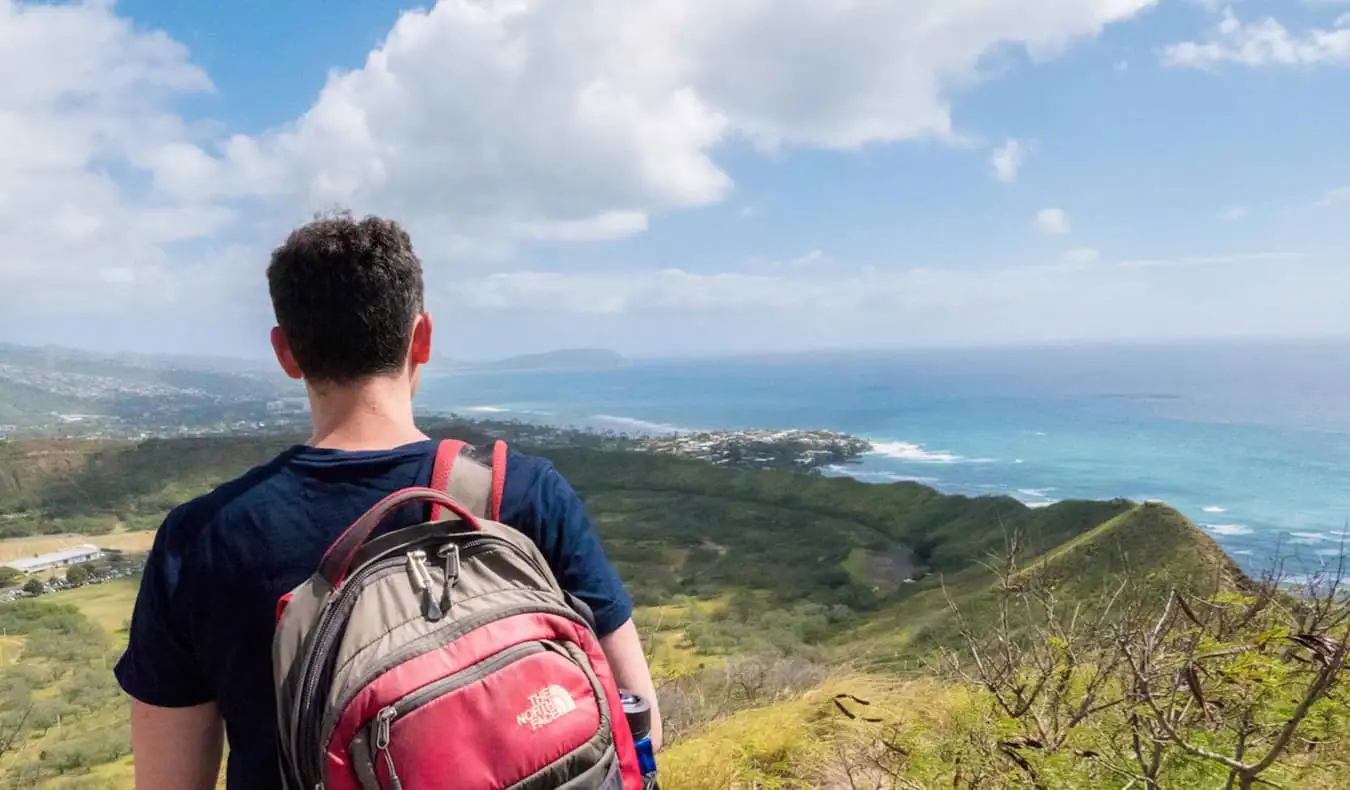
(1251, 441)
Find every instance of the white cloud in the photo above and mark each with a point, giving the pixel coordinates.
(1210, 260)
(1334, 197)
(479, 124)
(1082, 256)
(680, 310)
(812, 258)
(1264, 43)
(606, 225)
(93, 97)
(637, 97)
(1007, 161)
(1052, 220)
(1234, 213)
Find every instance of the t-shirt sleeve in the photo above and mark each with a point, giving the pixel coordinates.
(159, 666)
(570, 543)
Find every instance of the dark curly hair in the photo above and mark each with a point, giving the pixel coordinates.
(346, 294)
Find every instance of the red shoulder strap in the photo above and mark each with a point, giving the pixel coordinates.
(446, 454)
(498, 480)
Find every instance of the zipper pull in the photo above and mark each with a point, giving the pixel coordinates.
(383, 718)
(414, 571)
(450, 554)
(417, 567)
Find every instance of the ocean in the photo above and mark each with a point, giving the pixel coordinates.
(1250, 440)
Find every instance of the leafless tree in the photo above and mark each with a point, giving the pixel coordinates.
(1192, 677)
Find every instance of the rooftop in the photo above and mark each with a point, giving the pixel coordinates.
(64, 555)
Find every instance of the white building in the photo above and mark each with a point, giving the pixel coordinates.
(75, 555)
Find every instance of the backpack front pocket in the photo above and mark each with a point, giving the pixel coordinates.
(531, 710)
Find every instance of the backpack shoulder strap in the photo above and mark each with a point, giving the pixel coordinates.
(498, 480)
(474, 484)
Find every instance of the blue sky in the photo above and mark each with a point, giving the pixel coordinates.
(687, 176)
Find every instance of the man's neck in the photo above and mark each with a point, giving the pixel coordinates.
(373, 415)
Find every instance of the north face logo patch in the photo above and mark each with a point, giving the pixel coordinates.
(547, 705)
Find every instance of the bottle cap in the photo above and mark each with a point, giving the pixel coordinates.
(639, 713)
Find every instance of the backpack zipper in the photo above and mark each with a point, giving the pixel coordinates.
(450, 553)
(456, 680)
(382, 722)
(422, 582)
(327, 632)
(418, 648)
(450, 683)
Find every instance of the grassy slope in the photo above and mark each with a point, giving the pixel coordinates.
(107, 606)
(696, 542)
(803, 742)
(1150, 540)
(73, 674)
(1158, 546)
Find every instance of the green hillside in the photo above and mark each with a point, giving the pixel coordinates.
(24, 404)
(1151, 541)
(763, 596)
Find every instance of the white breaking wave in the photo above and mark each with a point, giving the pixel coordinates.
(917, 454)
(1215, 509)
(1309, 538)
(633, 423)
(1036, 497)
(868, 476)
(905, 451)
(1228, 529)
(487, 409)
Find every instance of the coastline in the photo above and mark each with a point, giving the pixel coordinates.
(1029, 465)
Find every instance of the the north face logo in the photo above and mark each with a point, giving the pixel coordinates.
(547, 705)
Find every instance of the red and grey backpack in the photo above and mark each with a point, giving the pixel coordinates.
(444, 655)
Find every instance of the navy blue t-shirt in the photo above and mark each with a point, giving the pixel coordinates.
(204, 617)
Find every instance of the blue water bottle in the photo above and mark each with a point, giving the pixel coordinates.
(639, 713)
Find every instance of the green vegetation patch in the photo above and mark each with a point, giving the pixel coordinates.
(59, 700)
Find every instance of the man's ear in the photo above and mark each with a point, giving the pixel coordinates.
(282, 347)
(419, 352)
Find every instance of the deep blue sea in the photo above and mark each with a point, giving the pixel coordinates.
(1252, 441)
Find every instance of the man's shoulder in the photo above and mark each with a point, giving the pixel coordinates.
(533, 488)
(194, 518)
(526, 466)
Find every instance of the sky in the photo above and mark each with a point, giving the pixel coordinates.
(686, 176)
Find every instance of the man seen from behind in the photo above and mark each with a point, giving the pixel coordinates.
(348, 299)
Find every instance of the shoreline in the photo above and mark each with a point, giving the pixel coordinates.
(1252, 541)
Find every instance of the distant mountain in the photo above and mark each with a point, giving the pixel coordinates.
(72, 388)
(562, 359)
(51, 384)
(75, 360)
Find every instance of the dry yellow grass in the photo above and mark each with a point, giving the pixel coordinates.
(107, 605)
(11, 647)
(19, 548)
(807, 742)
(761, 748)
(663, 630)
